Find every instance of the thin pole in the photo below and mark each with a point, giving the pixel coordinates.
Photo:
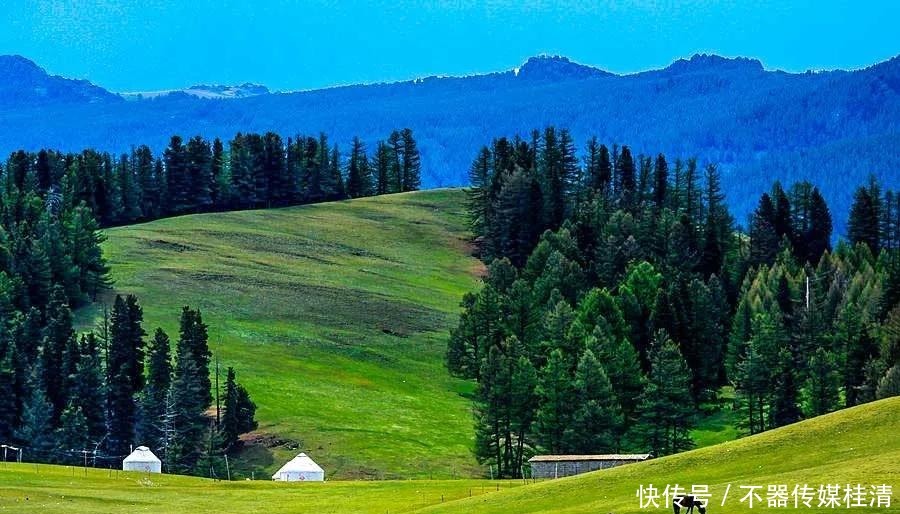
(807, 293)
(227, 468)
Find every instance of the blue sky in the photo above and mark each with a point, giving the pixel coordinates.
(155, 44)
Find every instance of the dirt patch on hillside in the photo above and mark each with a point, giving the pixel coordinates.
(168, 246)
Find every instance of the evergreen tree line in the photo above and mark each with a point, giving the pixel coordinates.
(69, 399)
(614, 304)
(253, 171)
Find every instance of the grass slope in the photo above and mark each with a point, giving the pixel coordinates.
(335, 317)
(26, 489)
(858, 445)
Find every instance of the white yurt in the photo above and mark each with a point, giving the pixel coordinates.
(300, 469)
(142, 459)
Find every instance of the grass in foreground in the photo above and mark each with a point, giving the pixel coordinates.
(858, 445)
(335, 317)
(26, 489)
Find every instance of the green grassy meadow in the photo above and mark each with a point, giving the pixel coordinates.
(858, 445)
(335, 317)
(25, 488)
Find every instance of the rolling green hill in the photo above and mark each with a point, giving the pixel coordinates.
(25, 489)
(858, 445)
(335, 317)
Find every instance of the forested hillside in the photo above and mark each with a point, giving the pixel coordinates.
(70, 396)
(831, 128)
(252, 171)
(620, 299)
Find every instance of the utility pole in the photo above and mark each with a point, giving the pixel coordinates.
(807, 293)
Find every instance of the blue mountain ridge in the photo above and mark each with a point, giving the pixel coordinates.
(834, 128)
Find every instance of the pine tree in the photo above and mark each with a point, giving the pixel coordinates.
(818, 238)
(597, 422)
(552, 175)
(194, 342)
(320, 165)
(822, 386)
(178, 181)
(478, 195)
(146, 181)
(626, 188)
(764, 241)
(504, 408)
(383, 161)
(218, 179)
(36, 427)
(278, 188)
(336, 182)
(717, 230)
(239, 413)
(783, 223)
(785, 394)
(242, 185)
(159, 380)
(359, 178)
(859, 347)
(756, 370)
(258, 180)
(395, 172)
(666, 406)
(230, 416)
(57, 361)
(517, 217)
(598, 167)
(622, 365)
(637, 298)
(198, 175)
(555, 407)
(125, 371)
(864, 223)
(109, 195)
(190, 395)
(660, 181)
(88, 389)
(162, 187)
(692, 195)
(410, 162)
(187, 414)
(83, 237)
(129, 187)
(644, 182)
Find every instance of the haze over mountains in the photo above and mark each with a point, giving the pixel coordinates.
(834, 128)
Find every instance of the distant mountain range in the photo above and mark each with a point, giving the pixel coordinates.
(204, 91)
(834, 128)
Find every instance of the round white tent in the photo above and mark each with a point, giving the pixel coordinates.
(142, 459)
(300, 469)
